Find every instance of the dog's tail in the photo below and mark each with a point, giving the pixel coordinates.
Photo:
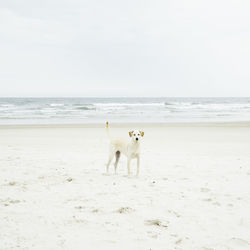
(107, 130)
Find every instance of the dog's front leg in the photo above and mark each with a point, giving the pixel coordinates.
(138, 165)
(129, 160)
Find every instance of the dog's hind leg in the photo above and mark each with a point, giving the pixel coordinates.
(111, 156)
(117, 157)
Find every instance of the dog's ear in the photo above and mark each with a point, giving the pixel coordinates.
(142, 133)
(130, 133)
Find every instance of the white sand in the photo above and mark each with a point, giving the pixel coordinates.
(193, 191)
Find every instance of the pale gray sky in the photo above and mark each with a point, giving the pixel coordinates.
(124, 48)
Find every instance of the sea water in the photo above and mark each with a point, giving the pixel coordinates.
(137, 110)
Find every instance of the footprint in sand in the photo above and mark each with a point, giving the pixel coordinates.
(79, 207)
(205, 190)
(178, 241)
(12, 183)
(124, 210)
(175, 213)
(238, 243)
(216, 203)
(207, 200)
(153, 234)
(78, 220)
(95, 210)
(157, 223)
(8, 201)
(14, 201)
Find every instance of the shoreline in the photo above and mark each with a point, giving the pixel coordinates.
(129, 124)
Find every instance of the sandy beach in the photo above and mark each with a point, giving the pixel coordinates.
(193, 191)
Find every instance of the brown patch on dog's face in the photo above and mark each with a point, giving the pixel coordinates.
(142, 133)
(130, 133)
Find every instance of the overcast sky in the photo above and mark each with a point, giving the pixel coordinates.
(124, 48)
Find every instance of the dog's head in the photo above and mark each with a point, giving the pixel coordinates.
(136, 135)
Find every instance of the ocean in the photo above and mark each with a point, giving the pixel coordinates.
(119, 110)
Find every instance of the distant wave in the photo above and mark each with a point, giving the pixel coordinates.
(85, 108)
(130, 104)
(168, 104)
(7, 105)
(57, 104)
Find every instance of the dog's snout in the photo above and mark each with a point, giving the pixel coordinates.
(137, 138)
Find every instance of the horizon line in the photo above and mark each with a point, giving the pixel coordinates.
(124, 97)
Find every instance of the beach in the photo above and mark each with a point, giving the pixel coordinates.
(192, 192)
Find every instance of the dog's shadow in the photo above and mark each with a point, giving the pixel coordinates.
(124, 176)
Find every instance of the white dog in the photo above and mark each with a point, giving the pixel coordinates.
(130, 148)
